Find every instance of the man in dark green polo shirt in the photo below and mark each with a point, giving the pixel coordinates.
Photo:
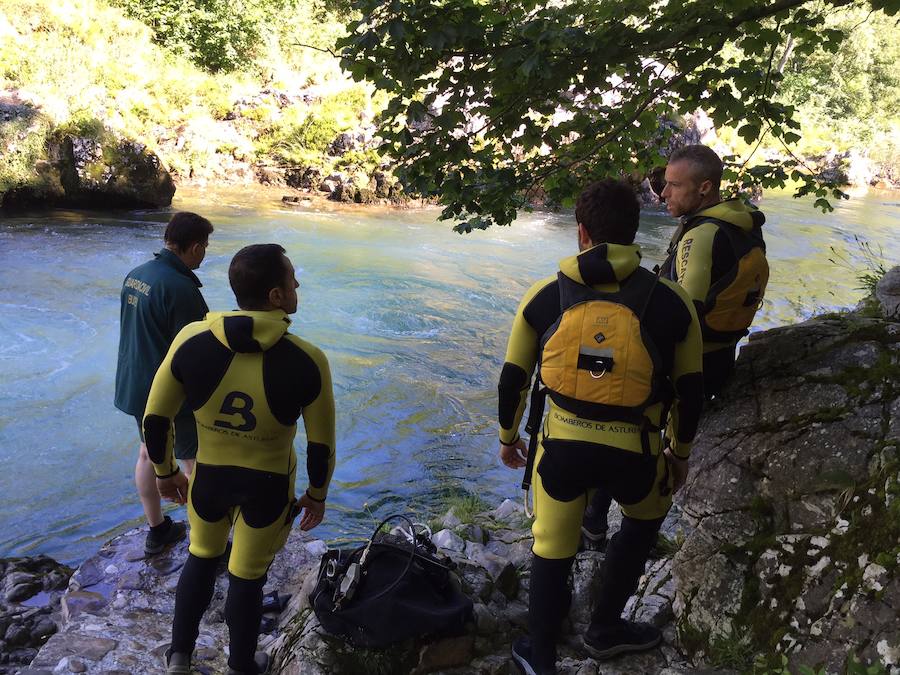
(159, 298)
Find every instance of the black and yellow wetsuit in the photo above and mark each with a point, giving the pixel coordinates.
(247, 381)
(576, 455)
(671, 323)
(701, 255)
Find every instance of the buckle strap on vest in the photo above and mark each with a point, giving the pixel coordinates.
(535, 417)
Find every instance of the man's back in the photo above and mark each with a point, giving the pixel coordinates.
(248, 380)
(158, 298)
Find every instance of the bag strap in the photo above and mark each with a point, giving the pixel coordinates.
(535, 417)
(346, 594)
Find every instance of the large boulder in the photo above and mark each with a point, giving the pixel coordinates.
(92, 167)
(109, 172)
(793, 491)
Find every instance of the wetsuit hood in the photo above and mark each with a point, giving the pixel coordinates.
(248, 331)
(602, 264)
(735, 211)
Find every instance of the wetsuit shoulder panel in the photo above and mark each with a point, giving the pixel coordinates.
(200, 363)
(291, 378)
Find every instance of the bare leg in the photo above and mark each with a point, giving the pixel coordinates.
(145, 480)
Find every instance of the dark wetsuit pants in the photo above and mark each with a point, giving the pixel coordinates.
(565, 476)
(256, 505)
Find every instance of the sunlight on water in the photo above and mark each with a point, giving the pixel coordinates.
(413, 317)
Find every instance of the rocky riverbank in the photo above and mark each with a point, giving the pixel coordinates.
(783, 551)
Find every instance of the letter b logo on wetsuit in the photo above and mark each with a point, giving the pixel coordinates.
(229, 407)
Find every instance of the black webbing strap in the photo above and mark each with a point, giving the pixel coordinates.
(535, 417)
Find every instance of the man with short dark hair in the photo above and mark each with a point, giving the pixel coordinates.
(616, 349)
(247, 381)
(158, 299)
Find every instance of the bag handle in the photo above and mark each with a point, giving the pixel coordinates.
(365, 554)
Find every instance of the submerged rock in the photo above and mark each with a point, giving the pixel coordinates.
(29, 607)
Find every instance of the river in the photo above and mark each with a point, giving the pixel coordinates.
(412, 316)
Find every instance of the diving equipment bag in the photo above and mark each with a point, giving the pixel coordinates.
(393, 588)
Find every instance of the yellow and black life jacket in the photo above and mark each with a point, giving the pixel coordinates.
(598, 361)
(734, 299)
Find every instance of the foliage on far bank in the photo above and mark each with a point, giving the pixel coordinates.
(85, 68)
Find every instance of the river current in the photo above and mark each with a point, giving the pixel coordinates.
(412, 316)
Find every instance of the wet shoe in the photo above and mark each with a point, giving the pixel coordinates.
(157, 541)
(624, 636)
(521, 655)
(177, 663)
(260, 661)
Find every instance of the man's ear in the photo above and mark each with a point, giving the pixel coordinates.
(705, 188)
(276, 297)
(584, 239)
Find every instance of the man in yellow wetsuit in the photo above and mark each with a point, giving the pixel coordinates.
(247, 381)
(718, 256)
(607, 330)
(712, 239)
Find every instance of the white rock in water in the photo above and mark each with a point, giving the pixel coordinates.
(317, 547)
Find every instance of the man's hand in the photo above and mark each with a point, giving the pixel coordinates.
(174, 488)
(313, 512)
(679, 468)
(512, 455)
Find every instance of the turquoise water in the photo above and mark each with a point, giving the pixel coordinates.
(413, 317)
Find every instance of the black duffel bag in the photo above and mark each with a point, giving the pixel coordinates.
(389, 590)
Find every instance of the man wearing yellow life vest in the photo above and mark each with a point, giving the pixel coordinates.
(617, 349)
(719, 257)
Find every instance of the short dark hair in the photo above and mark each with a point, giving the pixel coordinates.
(186, 228)
(609, 211)
(705, 163)
(254, 271)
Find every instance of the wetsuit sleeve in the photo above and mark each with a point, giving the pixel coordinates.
(518, 367)
(318, 420)
(687, 378)
(184, 304)
(164, 402)
(694, 261)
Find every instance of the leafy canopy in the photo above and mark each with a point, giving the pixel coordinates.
(496, 104)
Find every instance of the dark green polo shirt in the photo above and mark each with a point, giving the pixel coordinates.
(158, 299)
